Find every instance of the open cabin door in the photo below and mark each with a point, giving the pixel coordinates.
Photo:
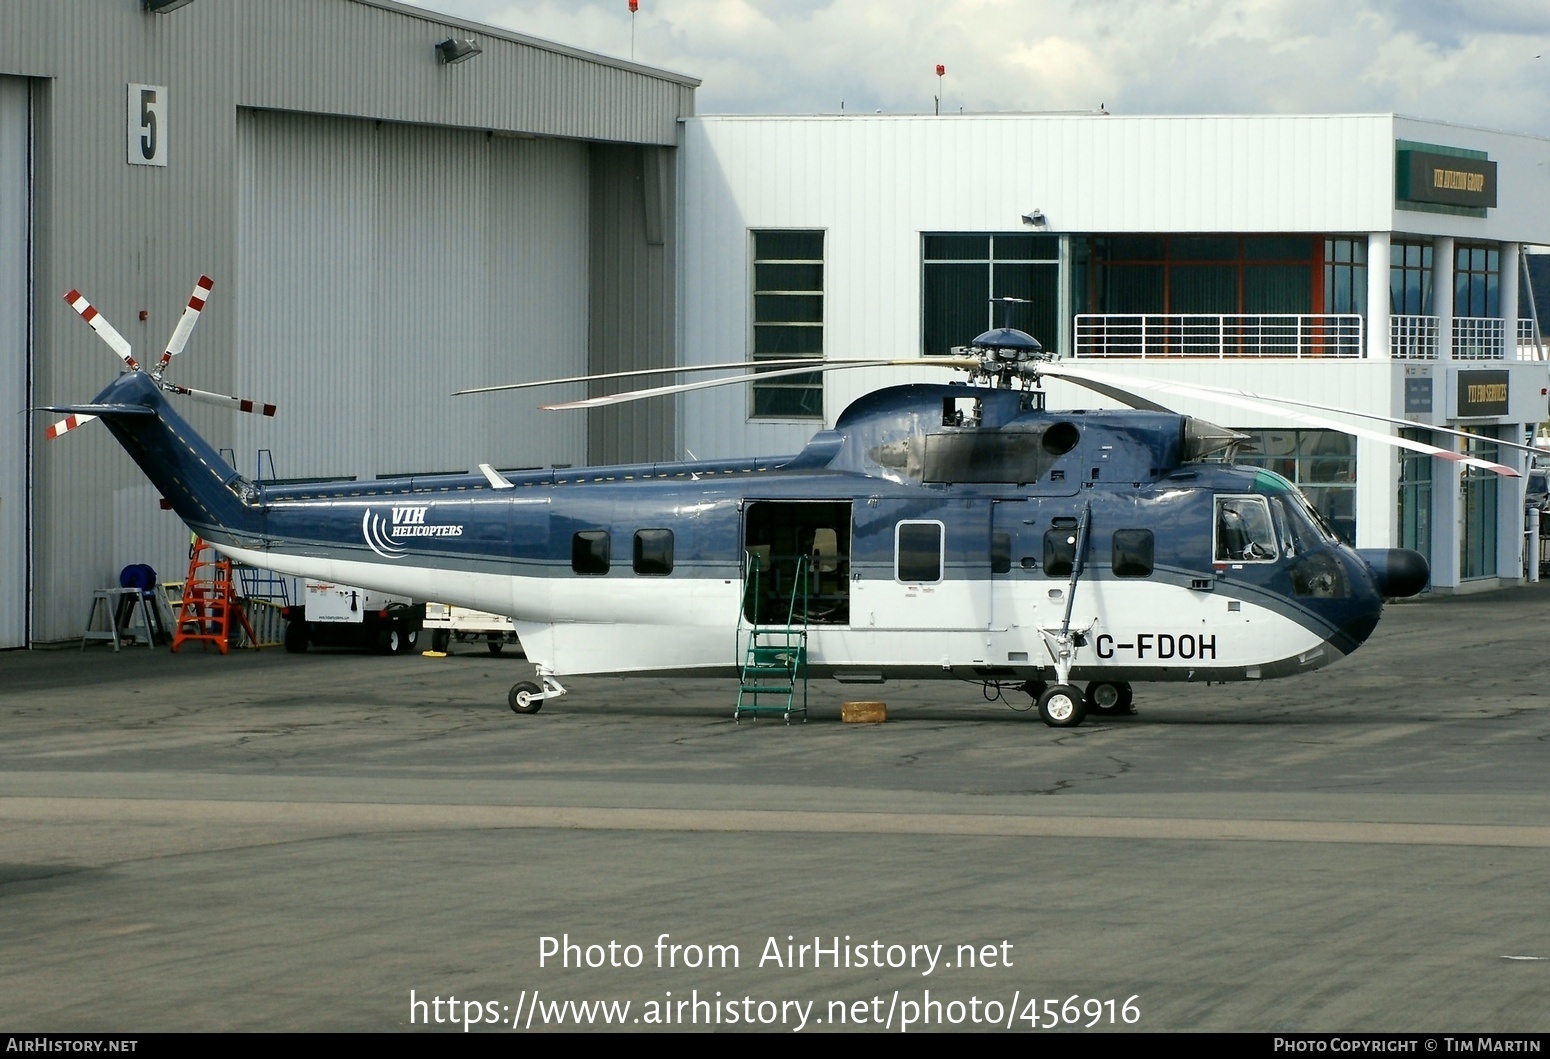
(799, 562)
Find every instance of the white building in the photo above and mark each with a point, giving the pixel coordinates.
(1370, 262)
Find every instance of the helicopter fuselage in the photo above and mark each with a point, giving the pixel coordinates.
(936, 530)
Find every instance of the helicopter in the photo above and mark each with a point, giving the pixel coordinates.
(959, 530)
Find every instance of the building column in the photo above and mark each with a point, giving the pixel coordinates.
(1379, 302)
(1511, 493)
(1065, 339)
(1442, 294)
(1509, 296)
(1447, 481)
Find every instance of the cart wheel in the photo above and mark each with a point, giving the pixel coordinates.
(441, 639)
(495, 646)
(295, 637)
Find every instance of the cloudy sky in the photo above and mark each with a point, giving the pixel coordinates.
(1479, 62)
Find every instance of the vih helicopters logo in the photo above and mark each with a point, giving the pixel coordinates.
(385, 534)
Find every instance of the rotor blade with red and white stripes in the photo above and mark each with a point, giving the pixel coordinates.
(1269, 405)
(186, 322)
(241, 404)
(67, 424)
(105, 331)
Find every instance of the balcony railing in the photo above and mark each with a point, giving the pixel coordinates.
(1287, 335)
(1474, 337)
(1412, 337)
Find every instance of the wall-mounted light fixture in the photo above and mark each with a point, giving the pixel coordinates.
(456, 49)
(165, 7)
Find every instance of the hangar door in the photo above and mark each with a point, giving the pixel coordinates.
(382, 266)
(15, 178)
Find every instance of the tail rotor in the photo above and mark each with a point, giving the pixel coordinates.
(175, 345)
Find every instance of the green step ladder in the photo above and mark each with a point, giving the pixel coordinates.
(774, 658)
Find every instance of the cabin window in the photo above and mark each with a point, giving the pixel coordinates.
(589, 552)
(1060, 550)
(1133, 553)
(918, 552)
(654, 552)
(1244, 533)
(788, 320)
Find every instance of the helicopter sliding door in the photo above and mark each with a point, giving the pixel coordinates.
(1014, 552)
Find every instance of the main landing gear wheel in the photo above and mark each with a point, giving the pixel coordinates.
(1106, 698)
(523, 698)
(1062, 706)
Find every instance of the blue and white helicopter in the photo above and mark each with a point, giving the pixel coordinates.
(957, 530)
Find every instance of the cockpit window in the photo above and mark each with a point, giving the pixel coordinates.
(1244, 533)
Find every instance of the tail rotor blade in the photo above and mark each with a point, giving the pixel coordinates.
(67, 424)
(105, 331)
(241, 404)
(179, 339)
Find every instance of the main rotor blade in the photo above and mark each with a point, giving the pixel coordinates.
(241, 404)
(683, 370)
(808, 369)
(105, 331)
(1265, 405)
(186, 322)
(1374, 416)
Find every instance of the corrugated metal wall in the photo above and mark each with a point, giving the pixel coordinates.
(15, 185)
(632, 324)
(381, 267)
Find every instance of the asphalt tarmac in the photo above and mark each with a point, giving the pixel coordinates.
(339, 841)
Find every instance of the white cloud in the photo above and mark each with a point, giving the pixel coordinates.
(1454, 60)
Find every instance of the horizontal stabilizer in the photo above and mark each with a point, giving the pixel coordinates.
(99, 409)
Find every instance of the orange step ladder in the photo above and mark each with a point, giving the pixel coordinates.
(210, 602)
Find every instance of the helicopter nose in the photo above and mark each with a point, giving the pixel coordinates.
(1396, 571)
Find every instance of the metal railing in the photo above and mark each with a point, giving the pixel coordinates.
(1479, 338)
(1220, 336)
(1413, 337)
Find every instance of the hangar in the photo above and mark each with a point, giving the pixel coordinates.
(382, 225)
(1371, 262)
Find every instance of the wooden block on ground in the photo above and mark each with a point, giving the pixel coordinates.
(864, 712)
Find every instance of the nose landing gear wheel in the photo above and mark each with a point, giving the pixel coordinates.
(1062, 706)
(1109, 698)
(523, 698)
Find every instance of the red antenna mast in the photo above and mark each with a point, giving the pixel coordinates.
(941, 72)
(634, 7)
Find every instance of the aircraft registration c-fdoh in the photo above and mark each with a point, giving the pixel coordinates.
(958, 530)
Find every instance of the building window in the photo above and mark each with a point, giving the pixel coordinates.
(654, 552)
(1477, 275)
(1410, 278)
(1345, 276)
(961, 273)
(1477, 544)
(1415, 495)
(788, 320)
(1213, 274)
(1321, 463)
